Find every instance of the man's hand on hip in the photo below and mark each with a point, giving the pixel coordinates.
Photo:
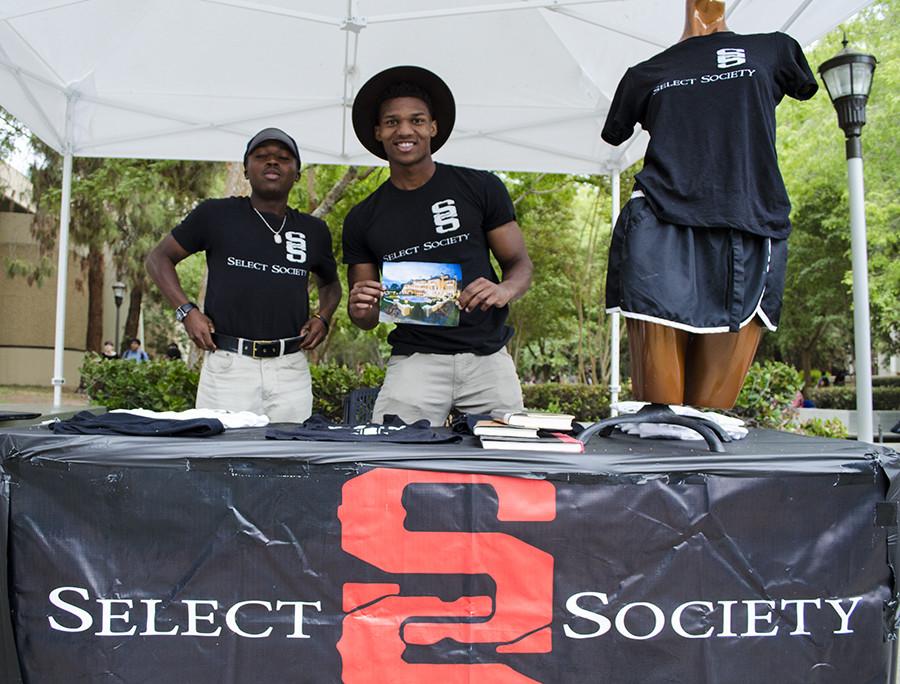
(200, 329)
(313, 333)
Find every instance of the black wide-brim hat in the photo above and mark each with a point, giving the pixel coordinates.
(366, 105)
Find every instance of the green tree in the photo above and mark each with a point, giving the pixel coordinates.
(11, 131)
(545, 212)
(817, 318)
(123, 204)
(329, 192)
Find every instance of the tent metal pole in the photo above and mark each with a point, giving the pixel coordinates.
(62, 278)
(62, 267)
(483, 8)
(614, 334)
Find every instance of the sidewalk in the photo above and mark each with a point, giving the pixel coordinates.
(25, 399)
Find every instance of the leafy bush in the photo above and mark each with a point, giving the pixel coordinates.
(884, 398)
(331, 382)
(172, 386)
(886, 381)
(832, 427)
(765, 399)
(155, 385)
(585, 402)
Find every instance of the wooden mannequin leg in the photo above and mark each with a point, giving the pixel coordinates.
(657, 362)
(717, 365)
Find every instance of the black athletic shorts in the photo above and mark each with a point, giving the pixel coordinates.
(702, 280)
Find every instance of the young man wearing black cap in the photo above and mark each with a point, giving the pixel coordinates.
(255, 324)
(428, 212)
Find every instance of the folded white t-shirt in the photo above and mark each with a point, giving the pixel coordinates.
(230, 419)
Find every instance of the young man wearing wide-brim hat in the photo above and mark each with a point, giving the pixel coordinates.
(256, 325)
(437, 213)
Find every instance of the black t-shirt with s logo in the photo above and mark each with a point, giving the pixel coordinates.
(709, 106)
(444, 221)
(257, 288)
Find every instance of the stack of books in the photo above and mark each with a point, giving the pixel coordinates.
(528, 431)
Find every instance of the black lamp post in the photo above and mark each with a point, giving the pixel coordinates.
(848, 79)
(118, 295)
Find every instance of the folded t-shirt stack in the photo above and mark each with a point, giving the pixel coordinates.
(319, 428)
(125, 423)
(733, 426)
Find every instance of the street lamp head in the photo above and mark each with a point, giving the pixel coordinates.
(118, 289)
(848, 79)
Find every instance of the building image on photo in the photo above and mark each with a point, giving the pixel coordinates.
(441, 287)
(420, 293)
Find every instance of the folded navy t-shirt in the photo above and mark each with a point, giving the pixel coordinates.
(394, 430)
(86, 423)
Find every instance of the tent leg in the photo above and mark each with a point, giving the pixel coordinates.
(615, 333)
(62, 279)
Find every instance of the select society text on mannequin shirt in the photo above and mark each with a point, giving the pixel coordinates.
(706, 78)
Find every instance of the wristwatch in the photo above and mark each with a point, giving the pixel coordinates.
(182, 311)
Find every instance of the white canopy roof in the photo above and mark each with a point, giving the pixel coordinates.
(194, 79)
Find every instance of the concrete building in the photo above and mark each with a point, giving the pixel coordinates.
(28, 311)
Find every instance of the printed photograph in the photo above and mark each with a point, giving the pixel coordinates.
(420, 293)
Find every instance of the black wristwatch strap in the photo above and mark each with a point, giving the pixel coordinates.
(182, 311)
(324, 320)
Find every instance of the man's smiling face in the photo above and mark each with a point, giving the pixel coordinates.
(271, 169)
(405, 128)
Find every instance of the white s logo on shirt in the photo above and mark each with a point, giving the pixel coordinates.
(445, 216)
(730, 57)
(295, 246)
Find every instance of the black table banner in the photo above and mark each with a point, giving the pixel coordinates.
(240, 560)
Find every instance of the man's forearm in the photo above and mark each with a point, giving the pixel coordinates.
(329, 298)
(365, 321)
(517, 277)
(161, 269)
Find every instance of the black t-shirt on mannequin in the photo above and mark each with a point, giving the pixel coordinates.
(446, 220)
(709, 106)
(258, 288)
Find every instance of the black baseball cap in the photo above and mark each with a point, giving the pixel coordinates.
(267, 134)
(367, 102)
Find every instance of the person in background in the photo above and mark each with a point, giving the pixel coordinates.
(173, 352)
(109, 351)
(134, 351)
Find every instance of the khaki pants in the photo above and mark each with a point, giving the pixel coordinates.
(429, 385)
(279, 388)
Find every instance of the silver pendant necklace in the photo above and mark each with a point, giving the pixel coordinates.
(276, 234)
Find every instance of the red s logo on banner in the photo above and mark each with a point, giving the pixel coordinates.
(379, 622)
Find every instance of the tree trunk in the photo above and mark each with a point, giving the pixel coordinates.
(133, 318)
(235, 182)
(338, 189)
(312, 200)
(94, 338)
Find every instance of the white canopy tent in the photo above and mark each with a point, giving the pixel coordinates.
(194, 79)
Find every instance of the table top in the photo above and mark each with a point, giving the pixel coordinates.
(762, 452)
